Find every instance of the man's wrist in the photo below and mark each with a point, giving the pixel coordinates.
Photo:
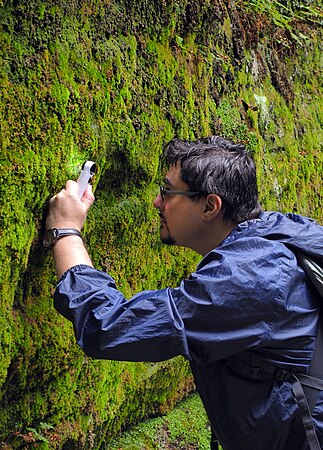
(69, 252)
(67, 245)
(52, 235)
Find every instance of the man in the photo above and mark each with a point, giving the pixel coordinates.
(248, 298)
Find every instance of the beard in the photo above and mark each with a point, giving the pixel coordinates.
(168, 240)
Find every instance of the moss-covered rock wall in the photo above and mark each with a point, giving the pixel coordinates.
(113, 81)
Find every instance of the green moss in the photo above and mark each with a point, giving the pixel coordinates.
(186, 426)
(113, 82)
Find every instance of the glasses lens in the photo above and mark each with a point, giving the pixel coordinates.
(162, 192)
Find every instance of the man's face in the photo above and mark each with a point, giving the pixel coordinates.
(180, 222)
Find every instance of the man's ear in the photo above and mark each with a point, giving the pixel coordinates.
(212, 207)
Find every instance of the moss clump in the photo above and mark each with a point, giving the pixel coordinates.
(185, 427)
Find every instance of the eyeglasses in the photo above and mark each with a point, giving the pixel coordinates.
(164, 191)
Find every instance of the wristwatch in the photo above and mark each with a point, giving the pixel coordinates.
(52, 235)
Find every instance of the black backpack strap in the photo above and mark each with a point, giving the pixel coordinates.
(312, 381)
(300, 397)
(313, 267)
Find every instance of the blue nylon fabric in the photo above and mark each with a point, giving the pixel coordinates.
(247, 294)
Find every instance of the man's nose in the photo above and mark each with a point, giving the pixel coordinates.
(158, 203)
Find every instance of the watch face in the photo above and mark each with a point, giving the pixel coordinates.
(48, 239)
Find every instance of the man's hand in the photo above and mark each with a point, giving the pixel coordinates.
(66, 210)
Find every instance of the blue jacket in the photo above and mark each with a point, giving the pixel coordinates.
(247, 294)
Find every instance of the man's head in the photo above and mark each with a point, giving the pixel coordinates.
(209, 188)
(216, 165)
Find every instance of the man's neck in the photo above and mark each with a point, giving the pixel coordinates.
(215, 237)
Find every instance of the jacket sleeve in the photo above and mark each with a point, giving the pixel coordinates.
(240, 298)
(147, 327)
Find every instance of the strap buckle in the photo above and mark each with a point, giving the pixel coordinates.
(282, 375)
(256, 367)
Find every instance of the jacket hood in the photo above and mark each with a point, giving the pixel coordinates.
(296, 231)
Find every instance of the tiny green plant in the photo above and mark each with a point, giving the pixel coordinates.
(38, 434)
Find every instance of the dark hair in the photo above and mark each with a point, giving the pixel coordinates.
(216, 165)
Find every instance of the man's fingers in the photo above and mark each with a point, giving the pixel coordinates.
(71, 186)
(88, 197)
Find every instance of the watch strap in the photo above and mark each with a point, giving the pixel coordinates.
(67, 232)
(53, 234)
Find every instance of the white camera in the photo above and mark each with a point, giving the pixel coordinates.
(88, 170)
